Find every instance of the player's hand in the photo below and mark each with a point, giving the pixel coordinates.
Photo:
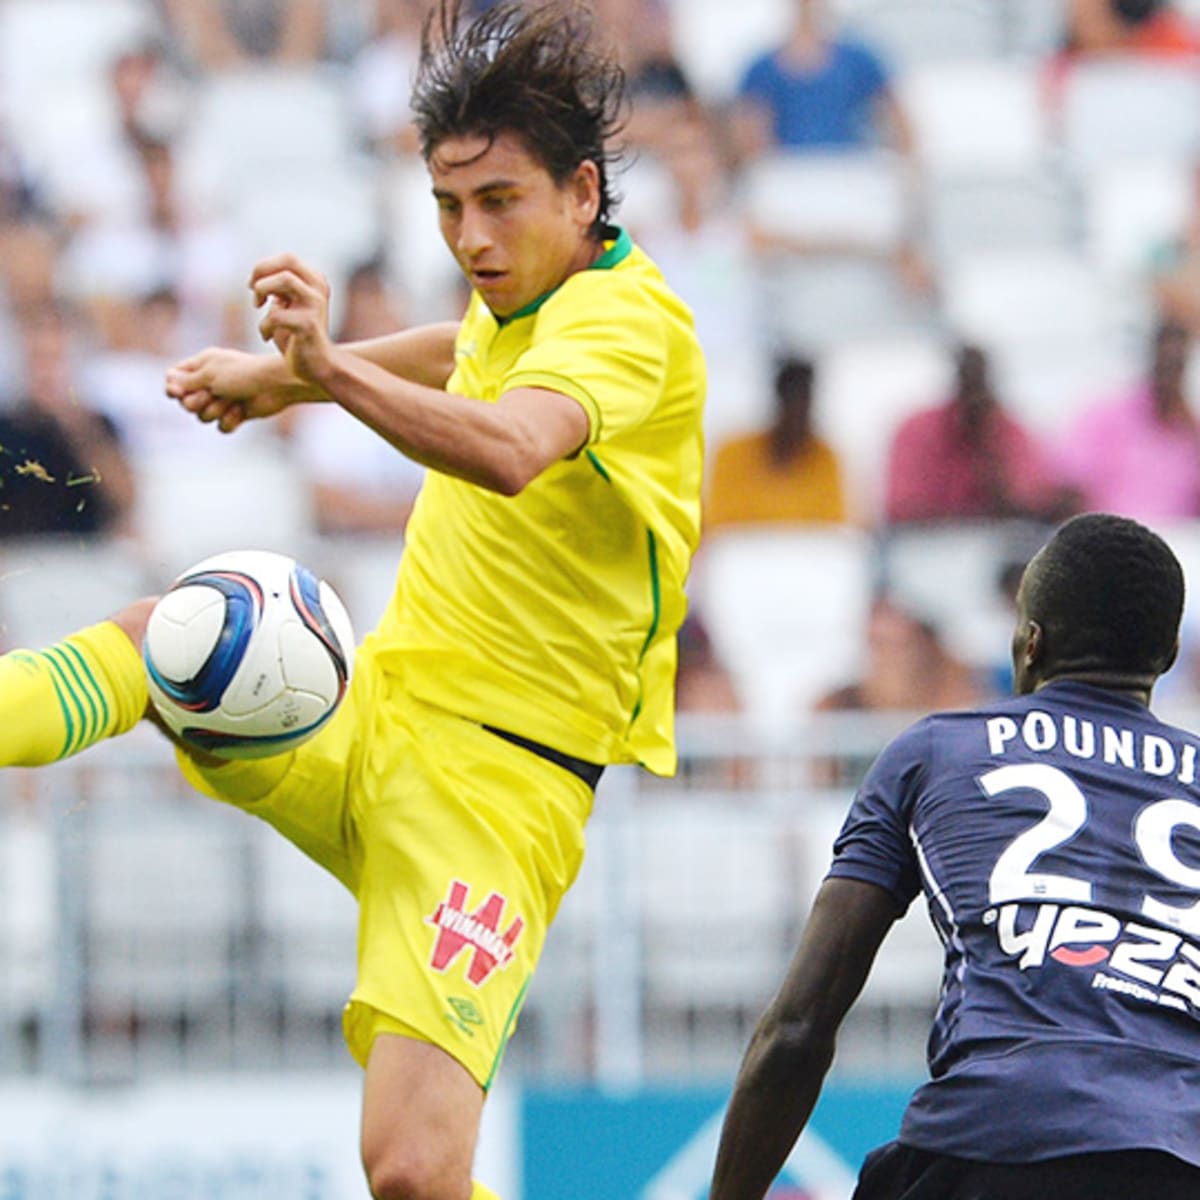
(228, 387)
(297, 314)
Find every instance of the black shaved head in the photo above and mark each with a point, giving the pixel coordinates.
(1107, 594)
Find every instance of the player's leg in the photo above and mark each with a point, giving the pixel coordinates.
(469, 843)
(60, 700)
(305, 793)
(420, 1122)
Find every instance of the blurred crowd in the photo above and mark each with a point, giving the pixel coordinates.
(945, 261)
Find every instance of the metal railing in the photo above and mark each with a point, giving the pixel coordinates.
(144, 928)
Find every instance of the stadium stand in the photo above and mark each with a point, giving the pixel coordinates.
(139, 929)
(784, 609)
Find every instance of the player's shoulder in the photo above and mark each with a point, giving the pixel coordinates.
(954, 723)
(909, 751)
(949, 732)
(623, 268)
(625, 289)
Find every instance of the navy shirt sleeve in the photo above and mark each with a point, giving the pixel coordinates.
(875, 844)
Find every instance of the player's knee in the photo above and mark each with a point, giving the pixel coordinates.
(411, 1172)
(134, 617)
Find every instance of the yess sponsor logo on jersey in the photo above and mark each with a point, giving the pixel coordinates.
(459, 931)
(1151, 964)
(1039, 913)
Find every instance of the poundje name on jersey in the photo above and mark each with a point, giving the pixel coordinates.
(1042, 731)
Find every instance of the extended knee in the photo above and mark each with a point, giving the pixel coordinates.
(413, 1173)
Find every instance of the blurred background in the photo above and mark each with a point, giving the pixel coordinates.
(944, 256)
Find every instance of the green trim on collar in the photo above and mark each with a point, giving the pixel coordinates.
(620, 250)
(622, 245)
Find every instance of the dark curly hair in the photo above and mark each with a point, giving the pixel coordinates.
(1108, 593)
(535, 71)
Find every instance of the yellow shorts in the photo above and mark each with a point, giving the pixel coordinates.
(458, 845)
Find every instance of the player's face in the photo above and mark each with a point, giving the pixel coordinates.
(515, 233)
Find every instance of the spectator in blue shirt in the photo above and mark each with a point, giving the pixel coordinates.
(818, 91)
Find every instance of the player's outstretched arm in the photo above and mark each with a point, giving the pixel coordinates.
(227, 387)
(501, 446)
(423, 354)
(295, 298)
(792, 1047)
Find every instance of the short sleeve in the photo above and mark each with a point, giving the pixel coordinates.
(870, 70)
(874, 843)
(600, 341)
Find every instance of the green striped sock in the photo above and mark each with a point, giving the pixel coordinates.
(61, 700)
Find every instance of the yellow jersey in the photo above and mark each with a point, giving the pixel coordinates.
(552, 614)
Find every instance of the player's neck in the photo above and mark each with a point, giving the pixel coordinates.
(1133, 686)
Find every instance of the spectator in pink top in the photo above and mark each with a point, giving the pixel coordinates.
(1138, 453)
(967, 458)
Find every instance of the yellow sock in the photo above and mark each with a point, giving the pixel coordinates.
(479, 1192)
(61, 700)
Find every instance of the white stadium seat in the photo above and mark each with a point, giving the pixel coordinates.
(950, 574)
(429, 279)
(716, 40)
(864, 390)
(730, 871)
(1116, 110)
(1049, 389)
(329, 218)
(72, 144)
(162, 912)
(247, 123)
(855, 199)
(977, 117)
(909, 32)
(253, 498)
(1030, 299)
(1132, 211)
(973, 212)
(28, 913)
(785, 607)
(1032, 29)
(51, 587)
(309, 921)
(834, 223)
(46, 44)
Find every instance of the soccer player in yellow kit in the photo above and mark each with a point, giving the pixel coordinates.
(531, 637)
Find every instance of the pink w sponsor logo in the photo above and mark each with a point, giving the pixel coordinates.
(460, 931)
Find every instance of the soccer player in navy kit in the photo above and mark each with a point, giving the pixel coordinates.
(1056, 838)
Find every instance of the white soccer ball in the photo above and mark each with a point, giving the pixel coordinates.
(248, 654)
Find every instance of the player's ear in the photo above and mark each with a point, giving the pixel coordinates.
(1033, 644)
(585, 192)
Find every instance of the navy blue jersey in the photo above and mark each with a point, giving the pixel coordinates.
(1056, 838)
